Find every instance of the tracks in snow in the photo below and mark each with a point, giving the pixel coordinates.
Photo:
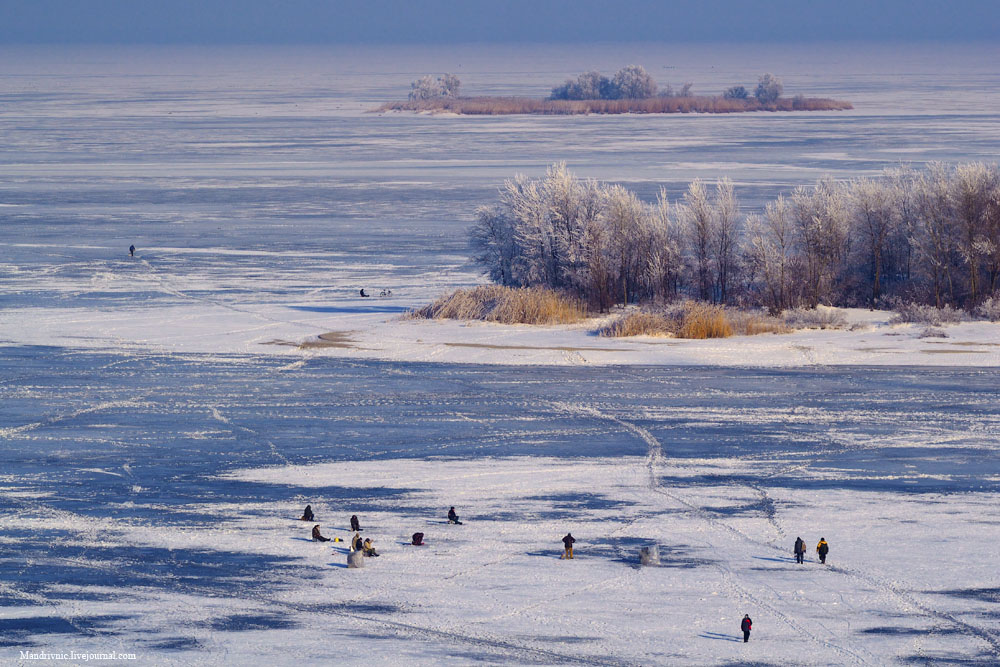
(892, 590)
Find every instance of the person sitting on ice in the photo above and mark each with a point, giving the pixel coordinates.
(317, 537)
(369, 548)
(363, 293)
(355, 524)
(453, 517)
(307, 515)
(356, 544)
(418, 539)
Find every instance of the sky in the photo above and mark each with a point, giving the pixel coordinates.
(461, 21)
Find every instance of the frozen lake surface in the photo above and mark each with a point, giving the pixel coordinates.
(154, 453)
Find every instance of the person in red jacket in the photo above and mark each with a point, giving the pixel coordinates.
(745, 626)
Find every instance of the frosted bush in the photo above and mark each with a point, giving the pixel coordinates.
(933, 332)
(634, 82)
(815, 318)
(923, 314)
(736, 93)
(429, 88)
(990, 309)
(769, 89)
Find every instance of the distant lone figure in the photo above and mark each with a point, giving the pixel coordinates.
(568, 544)
(363, 293)
(822, 549)
(355, 524)
(317, 537)
(800, 550)
(131, 251)
(745, 626)
(418, 539)
(356, 543)
(307, 514)
(452, 517)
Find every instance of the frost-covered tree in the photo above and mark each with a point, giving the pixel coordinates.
(633, 82)
(973, 186)
(769, 89)
(874, 208)
(822, 224)
(428, 87)
(725, 237)
(587, 86)
(771, 250)
(697, 217)
(736, 93)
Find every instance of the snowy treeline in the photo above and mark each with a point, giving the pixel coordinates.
(428, 88)
(929, 236)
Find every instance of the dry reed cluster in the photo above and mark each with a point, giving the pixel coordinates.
(506, 305)
(498, 106)
(695, 320)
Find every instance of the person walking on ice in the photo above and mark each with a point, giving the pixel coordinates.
(453, 517)
(822, 549)
(745, 626)
(131, 250)
(800, 550)
(568, 546)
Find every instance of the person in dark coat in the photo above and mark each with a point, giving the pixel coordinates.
(453, 517)
(355, 524)
(363, 293)
(307, 515)
(800, 550)
(356, 543)
(317, 537)
(418, 539)
(745, 626)
(131, 251)
(568, 544)
(822, 549)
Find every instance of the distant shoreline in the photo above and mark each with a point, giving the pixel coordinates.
(505, 106)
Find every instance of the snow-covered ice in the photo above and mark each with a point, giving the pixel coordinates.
(164, 419)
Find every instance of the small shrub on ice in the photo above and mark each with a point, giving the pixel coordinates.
(933, 332)
(922, 314)
(815, 318)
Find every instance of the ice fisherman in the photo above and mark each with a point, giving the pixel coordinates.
(745, 626)
(307, 514)
(316, 535)
(568, 544)
(363, 293)
(368, 547)
(131, 250)
(418, 539)
(453, 517)
(800, 550)
(356, 543)
(355, 524)
(822, 549)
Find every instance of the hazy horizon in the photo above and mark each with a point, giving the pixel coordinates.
(447, 22)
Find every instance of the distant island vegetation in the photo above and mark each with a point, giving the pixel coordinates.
(631, 90)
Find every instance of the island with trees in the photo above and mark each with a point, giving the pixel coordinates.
(630, 90)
